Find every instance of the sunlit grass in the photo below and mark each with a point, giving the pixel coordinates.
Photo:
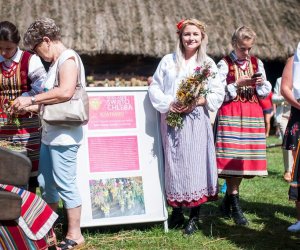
(264, 200)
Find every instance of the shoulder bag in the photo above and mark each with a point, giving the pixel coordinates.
(72, 113)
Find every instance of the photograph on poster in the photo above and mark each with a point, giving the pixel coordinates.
(116, 197)
(112, 112)
(113, 153)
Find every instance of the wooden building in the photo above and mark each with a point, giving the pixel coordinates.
(128, 37)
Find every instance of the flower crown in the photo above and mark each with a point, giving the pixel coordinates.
(200, 25)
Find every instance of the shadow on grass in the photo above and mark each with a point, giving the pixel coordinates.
(265, 231)
(61, 226)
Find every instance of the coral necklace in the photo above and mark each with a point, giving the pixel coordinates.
(9, 71)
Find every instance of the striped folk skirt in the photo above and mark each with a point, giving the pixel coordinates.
(240, 140)
(28, 134)
(190, 160)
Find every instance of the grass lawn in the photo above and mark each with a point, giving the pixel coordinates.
(264, 200)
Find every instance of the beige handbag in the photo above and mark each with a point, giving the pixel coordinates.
(72, 113)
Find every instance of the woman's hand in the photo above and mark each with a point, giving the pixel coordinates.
(189, 109)
(21, 103)
(177, 108)
(259, 81)
(32, 109)
(246, 81)
(201, 101)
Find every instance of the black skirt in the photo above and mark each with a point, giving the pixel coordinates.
(294, 193)
(292, 132)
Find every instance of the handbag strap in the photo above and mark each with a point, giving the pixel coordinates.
(78, 84)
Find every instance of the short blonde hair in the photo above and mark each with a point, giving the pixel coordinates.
(201, 53)
(40, 28)
(243, 33)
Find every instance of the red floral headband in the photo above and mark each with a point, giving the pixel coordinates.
(199, 24)
(180, 24)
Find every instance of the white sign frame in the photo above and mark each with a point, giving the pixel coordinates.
(150, 155)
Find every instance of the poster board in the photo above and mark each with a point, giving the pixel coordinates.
(120, 164)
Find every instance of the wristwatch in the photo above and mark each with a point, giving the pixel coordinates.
(33, 100)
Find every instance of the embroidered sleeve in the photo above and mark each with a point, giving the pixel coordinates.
(215, 97)
(159, 98)
(37, 75)
(230, 89)
(264, 89)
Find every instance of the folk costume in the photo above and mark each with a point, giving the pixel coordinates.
(189, 153)
(22, 74)
(240, 128)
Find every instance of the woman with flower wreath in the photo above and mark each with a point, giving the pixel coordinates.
(190, 162)
(240, 128)
(21, 73)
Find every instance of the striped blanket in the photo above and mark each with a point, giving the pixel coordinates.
(12, 237)
(36, 217)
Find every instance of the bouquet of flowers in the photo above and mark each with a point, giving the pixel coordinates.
(190, 89)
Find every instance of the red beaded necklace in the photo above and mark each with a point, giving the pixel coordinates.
(9, 71)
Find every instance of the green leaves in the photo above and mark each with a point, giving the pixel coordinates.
(189, 90)
(174, 120)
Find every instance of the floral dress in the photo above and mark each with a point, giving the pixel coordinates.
(292, 132)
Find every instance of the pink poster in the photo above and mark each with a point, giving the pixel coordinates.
(113, 153)
(112, 112)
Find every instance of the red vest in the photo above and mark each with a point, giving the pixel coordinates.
(244, 94)
(231, 74)
(17, 84)
(25, 81)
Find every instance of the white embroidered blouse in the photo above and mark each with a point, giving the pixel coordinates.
(166, 79)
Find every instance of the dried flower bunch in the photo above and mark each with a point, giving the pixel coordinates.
(189, 90)
(11, 118)
(15, 146)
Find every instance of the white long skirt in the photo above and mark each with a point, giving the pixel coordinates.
(190, 159)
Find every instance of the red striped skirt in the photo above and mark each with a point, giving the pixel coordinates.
(240, 140)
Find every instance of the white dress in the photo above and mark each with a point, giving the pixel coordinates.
(190, 160)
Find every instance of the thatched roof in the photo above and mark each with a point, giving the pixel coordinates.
(147, 27)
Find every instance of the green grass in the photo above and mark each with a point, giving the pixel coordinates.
(264, 200)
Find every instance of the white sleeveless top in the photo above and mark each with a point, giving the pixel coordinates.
(296, 73)
(57, 135)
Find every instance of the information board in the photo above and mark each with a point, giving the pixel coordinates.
(120, 164)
